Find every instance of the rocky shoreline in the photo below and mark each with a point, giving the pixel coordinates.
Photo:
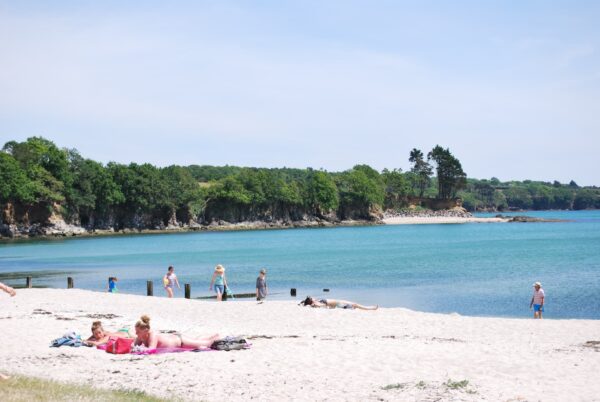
(58, 228)
(444, 213)
(62, 229)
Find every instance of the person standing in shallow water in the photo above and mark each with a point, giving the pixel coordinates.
(261, 285)
(170, 280)
(219, 281)
(537, 300)
(112, 284)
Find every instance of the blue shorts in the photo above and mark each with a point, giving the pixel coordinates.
(538, 308)
(220, 289)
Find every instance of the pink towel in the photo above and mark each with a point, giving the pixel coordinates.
(170, 350)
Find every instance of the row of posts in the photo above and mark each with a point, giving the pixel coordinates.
(149, 287)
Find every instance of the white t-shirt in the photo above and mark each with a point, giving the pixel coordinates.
(538, 296)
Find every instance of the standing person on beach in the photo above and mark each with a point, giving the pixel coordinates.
(170, 280)
(7, 289)
(537, 301)
(261, 285)
(219, 281)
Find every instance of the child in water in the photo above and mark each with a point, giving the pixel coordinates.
(112, 284)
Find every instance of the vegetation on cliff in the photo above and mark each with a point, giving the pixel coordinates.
(37, 180)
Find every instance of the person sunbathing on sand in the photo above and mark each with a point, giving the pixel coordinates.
(333, 303)
(153, 340)
(100, 336)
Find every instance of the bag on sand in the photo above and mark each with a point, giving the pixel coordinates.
(119, 346)
(230, 343)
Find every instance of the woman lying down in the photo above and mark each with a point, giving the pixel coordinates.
(148, 338)
(153, 340)
(333, 303)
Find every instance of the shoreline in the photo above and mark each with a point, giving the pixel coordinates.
(388, 354)
(229, 227)
(433, 220)
(409, 219)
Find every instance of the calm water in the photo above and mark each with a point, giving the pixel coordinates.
(472, 269)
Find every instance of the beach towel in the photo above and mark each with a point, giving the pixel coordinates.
(71, 338)
(142, 350)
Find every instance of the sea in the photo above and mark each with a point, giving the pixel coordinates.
(476, 269)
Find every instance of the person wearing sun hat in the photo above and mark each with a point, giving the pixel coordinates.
(537, 301)
(219, 281)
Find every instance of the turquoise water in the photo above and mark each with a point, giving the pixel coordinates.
(471, 269)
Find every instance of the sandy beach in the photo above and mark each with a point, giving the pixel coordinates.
(423, 220)
(300, 353)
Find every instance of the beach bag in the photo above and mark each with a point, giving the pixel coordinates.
(228, 292)
(119, 346)
(230, 343)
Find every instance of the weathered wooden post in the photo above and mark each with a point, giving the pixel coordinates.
(69, 283)
(28, 282)
(150, 288)
(293, 292)
(188, 290)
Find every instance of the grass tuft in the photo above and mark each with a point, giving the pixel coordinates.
(456, 384)
(25, 389)
(394, 386)
(421, 384)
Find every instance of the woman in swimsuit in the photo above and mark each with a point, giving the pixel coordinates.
(170, 280)
(333, 303)
(153, 340)
(100, 336)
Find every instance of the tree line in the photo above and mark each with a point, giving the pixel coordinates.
(36, 175)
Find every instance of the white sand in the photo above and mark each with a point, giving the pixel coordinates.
(420, 220)
(311, 354)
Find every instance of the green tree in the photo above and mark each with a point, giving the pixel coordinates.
(397, 188)
(422, 170)
(321, 192)
(15, 186)
(585, 199)
(450, 176)
(360, 189)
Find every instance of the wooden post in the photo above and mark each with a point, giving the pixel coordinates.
(28, 282)
(188, 290)
(150, 288)
(69, 283)
(293, 292)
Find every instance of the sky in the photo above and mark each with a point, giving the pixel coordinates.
(512, 88)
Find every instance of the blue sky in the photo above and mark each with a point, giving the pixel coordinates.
(512, 88)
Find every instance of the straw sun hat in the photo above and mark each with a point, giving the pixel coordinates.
(219, 268)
